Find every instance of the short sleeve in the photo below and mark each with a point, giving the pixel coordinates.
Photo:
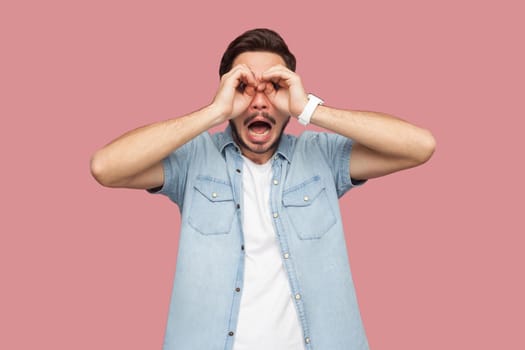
(175, 167)
(337, 151)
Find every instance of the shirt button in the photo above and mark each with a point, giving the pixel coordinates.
(237, 289)
(297, 296)
(238, 206)
(306, 199)
(238, 170)
(214, 195)
(307, 340)
(275, 182)
(230, 334)
(275, 215)
(286, 255)
(242, 247)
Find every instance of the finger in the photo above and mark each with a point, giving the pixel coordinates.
(247, 83)
(278, 80)
(279, 67)
(240, 74)
(248, 77)
(269, 88)
(249, 90)
(277, 73)
(261, 86)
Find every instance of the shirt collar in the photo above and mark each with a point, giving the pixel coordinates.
(225, 139)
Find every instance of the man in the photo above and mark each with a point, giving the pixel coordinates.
(262, 260)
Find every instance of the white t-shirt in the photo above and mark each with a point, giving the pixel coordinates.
(268, 318)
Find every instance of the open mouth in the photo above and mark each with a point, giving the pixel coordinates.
(259, 127)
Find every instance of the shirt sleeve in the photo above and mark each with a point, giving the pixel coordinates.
(175, 167)
(337, 151)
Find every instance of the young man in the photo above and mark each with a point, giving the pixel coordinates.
(262, 260)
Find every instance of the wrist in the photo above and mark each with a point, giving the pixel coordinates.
(300, 107)
(217, 114)
(306, 115)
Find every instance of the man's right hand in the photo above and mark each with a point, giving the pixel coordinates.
(236, 91)
(134, 160)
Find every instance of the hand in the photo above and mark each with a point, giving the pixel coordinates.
(236, 91)
(285, 90)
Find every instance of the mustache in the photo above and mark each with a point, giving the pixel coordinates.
(256, 114)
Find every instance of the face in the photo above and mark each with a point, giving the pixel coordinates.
(258, 130)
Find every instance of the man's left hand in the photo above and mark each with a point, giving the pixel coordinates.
(285, 90)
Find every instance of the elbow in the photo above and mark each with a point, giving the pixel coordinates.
(99, 170)
(426, 147)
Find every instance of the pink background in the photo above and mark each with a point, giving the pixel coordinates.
(437, 251)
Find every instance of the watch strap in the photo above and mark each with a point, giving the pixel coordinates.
(308, 111)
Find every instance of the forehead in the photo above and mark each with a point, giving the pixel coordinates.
(258, 61)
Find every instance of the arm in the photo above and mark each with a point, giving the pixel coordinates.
(382, 144)
(134, 160)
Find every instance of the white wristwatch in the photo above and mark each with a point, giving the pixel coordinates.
(306, 114)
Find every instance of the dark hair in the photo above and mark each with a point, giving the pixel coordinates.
(259, 39)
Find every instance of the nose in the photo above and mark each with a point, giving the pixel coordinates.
(260, 100)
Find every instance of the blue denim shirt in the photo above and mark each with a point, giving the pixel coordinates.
(310, 173)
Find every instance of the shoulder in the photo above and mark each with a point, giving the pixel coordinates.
(310, 139)
(199, 142)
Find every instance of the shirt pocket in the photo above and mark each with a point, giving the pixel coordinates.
(309, 209)
(212, 207)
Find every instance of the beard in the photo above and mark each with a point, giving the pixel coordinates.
(243, 145)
